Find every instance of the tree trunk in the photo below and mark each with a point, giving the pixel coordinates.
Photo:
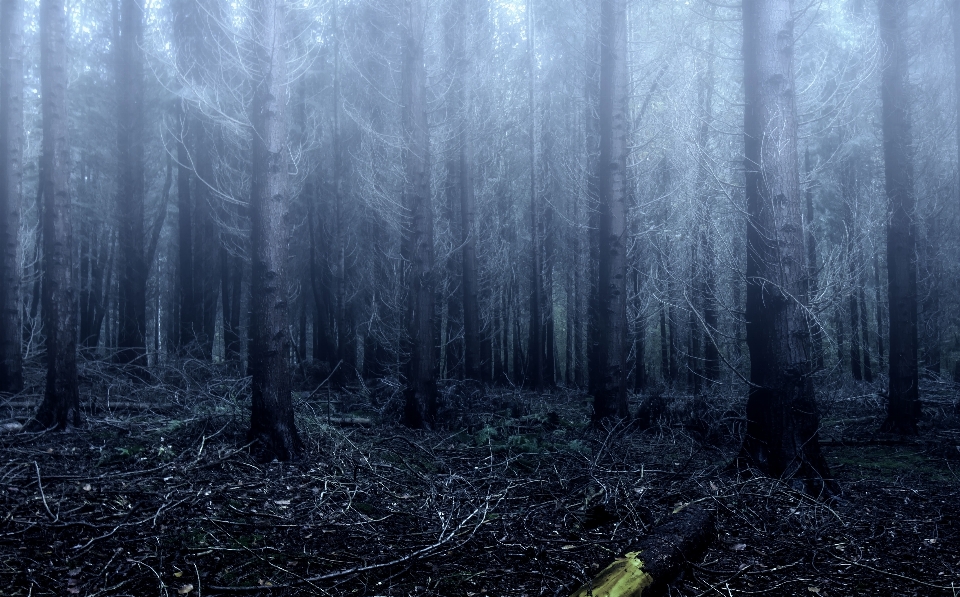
(533, 377)
(639, 337)
(610, 397)
(813, 271)
(903, 406)
(272, 424)
(848, 192)
(782, 416)
(206, 243)
(185, 326)
(61, 400)
(421, 400)
(864, 333)
(132, 306)
(11, 187)
(661, 556)
(231, 283)
(877, 298)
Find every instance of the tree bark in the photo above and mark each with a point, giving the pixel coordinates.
(61, 400)
(813, 272)
(610, 397)
(11, 188)
(782, 416)
(533, 377)
(132, 306)
(903, 405)
(272, 424)
(421, 401)
(472, 358)
(660, 557)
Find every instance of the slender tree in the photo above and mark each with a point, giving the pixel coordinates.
(534, 366)
(903, 403)
(782, 417)
(132, 307)
(272, 424)
(468, 203)
(11, 183)
(421, 392)
(61, 400)
(610, 391)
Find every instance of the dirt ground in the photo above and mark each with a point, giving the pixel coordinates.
(157, 495)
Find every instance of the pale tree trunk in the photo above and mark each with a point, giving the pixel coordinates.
(812, 267)
(61, 401)
(132, 306)
(903, 406)
(272, 424)
(421, 393)
(11, 185)
(782, 416)
(610, 397)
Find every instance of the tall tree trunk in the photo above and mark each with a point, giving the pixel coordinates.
(132, 306)
(864, 333)
(534, 369)
(639, 337)
(903, 406)
(610, 397)
(848, 191)
(813, 271)
(877, 298)
(185, 325)
(472, 358)
(61, 400)
(206, 244)
(272, 425)
(930, 277)
(231, 284)
(782, 416)
(421, 392)
(11, 187)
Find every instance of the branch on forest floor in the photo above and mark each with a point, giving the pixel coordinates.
(447, 534)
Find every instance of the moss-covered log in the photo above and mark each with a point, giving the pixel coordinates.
(682, 537)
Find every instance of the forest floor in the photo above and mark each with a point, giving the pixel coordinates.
(158, 495)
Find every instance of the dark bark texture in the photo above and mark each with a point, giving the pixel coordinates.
(61, 400)
(272, 426)
(782, 416)
(610, 390)
(903, 406)
(11, 184)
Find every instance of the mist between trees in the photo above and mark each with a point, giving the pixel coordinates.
(625, 198)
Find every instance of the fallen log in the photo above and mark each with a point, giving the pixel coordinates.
(661, 556)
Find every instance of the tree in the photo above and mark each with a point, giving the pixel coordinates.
(533, 377)
(421, 391)
(272, 424)
(61, 399)
(11, 182)
(132, 308)
(782, 417)
(610, 391)
(903, 402)
(468, 203)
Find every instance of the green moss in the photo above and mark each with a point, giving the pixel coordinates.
(625, 577)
